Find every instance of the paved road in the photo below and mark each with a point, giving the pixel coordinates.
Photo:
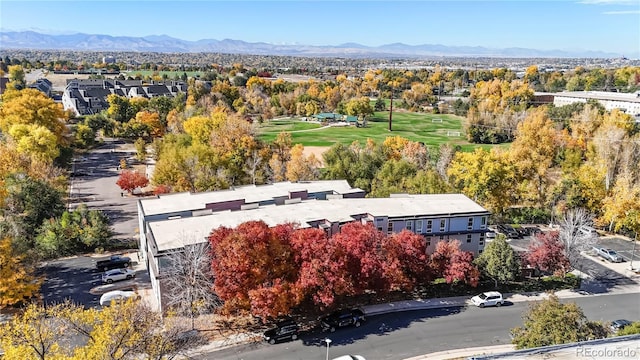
(403, 335)
(96, 187)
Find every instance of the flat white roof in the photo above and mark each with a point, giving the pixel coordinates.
(598, 95)
(176, 233)
(173, 203)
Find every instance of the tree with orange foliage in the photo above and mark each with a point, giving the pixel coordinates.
(130, 180)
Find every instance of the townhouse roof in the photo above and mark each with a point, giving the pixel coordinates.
(175, 203)
(176, 233)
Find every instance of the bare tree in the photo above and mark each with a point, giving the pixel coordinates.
(576, 241)
(445, 157)
(190, 281)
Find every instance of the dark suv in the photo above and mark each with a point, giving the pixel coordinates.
(285, 329)
(342, 318)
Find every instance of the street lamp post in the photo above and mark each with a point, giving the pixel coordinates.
(633, 252)
(328, 341)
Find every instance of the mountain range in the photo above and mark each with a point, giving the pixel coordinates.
(166, 44)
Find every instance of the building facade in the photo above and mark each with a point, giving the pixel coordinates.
(169, 223)
(629, 103)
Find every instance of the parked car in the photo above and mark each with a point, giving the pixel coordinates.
(286, 329)
(342, 318)
(115, 261)
(617, 325)
(490, 235)
(608, 254)
(116, 295)
(490, 298)
(350, 357)
(509, 231)
(588, 231)
(117, 274)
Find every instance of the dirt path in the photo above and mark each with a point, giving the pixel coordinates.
(317, 151)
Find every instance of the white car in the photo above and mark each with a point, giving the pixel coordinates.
(490, 298)
(116, 295)
(117, 274)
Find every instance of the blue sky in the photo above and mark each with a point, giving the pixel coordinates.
(604, 25)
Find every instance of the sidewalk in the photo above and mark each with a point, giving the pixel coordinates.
(466, 353)
(424, 304)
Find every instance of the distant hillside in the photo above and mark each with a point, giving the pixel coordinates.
(163, 43)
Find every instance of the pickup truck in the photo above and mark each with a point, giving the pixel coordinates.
(608, 254)
(114, 262)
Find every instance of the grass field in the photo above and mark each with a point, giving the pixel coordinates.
(413, 126)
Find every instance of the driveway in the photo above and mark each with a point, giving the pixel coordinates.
(95, 186)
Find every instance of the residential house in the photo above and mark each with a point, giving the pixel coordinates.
(89, 96)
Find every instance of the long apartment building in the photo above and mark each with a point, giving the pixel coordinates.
(171, 222)
(626, 102)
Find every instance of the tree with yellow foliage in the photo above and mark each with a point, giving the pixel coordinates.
(17, 283)
(35, 334)
(532, 154)
(301, 167)
(485, 176)
(32, 108)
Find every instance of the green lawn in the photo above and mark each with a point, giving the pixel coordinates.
(413, 126)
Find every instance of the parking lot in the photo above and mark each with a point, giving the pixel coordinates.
(77, 279)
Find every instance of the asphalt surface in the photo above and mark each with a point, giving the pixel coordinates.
(95, 185)
(74, 278)
(408, 334)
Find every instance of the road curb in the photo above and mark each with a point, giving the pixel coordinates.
(466, 353)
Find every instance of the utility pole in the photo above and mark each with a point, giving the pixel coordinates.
(391, 107)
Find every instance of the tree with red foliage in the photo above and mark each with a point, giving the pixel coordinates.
(546, 253)
(320, 276)
(453, 264)
(129, 180)
(250, 259)
(406, 260)
(357, 253)
(274, 300)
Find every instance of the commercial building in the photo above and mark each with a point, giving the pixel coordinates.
(172, 222)
(626, 102)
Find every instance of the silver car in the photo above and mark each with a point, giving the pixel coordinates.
(117, 274)
(490, 298)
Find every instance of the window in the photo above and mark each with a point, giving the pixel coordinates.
(429, 226)
(443, 224)
(441, 237)
(469, 236)
(428, 239)
(483, 222)
(380, 228)
(481, 242)
(419, 226)
(479, 251)
(409, 225)
(389, 227)
(470, 224)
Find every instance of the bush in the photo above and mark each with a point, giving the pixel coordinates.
(74, 232)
